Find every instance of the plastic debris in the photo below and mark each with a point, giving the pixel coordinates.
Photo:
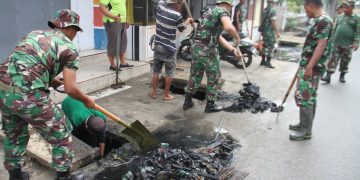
(209, 162)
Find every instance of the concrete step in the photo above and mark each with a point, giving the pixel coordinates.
(89, 57)
(92, 77)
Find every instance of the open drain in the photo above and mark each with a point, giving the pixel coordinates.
(113, 142)
(178, 86)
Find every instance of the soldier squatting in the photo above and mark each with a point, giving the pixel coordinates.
(32, 67)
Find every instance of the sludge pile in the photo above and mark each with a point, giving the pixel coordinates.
(250, 100)
(211, 162)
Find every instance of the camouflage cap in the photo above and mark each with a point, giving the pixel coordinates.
(225, 1)
(339, 6)
(65, 18)
(349, 3)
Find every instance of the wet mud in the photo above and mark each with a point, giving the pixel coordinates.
(248, 99)
(207, 162)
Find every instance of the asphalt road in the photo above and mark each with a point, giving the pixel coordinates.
(332, 153)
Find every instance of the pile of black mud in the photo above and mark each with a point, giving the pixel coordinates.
(208, 162)
(249, 100)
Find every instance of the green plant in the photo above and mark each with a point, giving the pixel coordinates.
(295, 5)
(291, 23)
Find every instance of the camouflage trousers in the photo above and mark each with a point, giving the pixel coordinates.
(306, 89)
(21, 109)
(211, 66)
(342, 54)
(269, 45)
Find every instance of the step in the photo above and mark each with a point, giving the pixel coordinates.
(88, 57)
(39, 149)
(94, 77)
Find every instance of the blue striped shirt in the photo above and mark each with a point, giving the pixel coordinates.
(167, 22)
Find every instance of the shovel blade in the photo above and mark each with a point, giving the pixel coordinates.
(141, 137)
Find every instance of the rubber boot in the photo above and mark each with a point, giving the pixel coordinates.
(327, 77)
(188, 102)
(268, 63)
(295, 127)
(306, 120)
(342, 77)
(67, 176)
(17, 174)
(262, 61)
(212, 107)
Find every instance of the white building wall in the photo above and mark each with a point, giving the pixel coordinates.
(84, 40)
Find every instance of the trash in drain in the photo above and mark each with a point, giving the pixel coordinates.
(210, 162)
(250, 100)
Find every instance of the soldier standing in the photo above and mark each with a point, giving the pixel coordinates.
(206, 56)
(316, 51)
(240, 15)
(25, 78)
(268, 32)
(346, 39)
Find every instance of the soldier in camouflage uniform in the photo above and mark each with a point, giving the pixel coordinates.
(346, 39)
(316, 51)
(240, 15)
(206, 56)
(25, 78)
(269, 33)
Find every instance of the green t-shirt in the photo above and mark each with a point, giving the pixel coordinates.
(117, 7)
(347, 30)
(77, 113)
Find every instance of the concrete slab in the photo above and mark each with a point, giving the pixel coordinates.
(40, 150)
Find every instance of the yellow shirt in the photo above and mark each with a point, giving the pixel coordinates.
(117, 7)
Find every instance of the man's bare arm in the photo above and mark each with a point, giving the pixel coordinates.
(228, 27)
(319, 51)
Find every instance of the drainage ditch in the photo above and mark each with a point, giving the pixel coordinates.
(189, 157)
(178, 86)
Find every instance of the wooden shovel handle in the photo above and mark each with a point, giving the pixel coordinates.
(290, 87)
(111, 116)
(189, 14)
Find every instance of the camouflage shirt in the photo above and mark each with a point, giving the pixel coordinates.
(347, 30)
(209, 30)
(321, 29)
(267, 16)
(38, 59)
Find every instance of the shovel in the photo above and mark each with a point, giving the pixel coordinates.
(135, 133)
(189, 14)
(281, 107)
(252, 88)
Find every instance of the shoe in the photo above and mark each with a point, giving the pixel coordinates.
(342, 77)
(268, 64)
(327, 78)
(17, 174)
(212, 107)
(114, 68)
(263, 62)
(295, 127)
(300, 135)
(188, 102)
(126, 65)
(306, 121)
